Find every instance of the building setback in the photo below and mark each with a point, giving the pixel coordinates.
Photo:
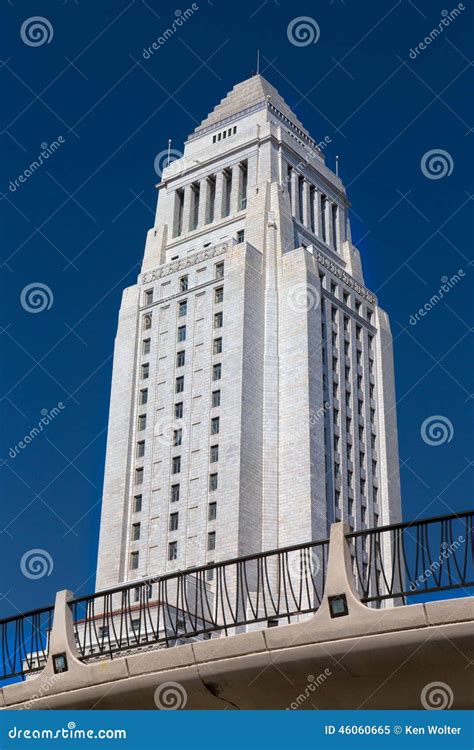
(253, 399)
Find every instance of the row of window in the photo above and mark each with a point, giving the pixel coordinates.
(183, 283)
(334, 288)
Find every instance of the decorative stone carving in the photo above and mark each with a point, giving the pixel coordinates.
(183, 263)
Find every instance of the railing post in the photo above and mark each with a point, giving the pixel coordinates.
(62, 639)
(339, 576)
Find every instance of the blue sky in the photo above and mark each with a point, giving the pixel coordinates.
(78, 223)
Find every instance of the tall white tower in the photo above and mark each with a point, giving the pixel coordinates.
(253, 398)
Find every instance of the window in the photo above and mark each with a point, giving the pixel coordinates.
(209, 577)
(182, 333)
(177, 437)
(371, 342)
(183, 283)
(135, 532)
(359, 407)
(140, 449)
(363, 514)
(359, 382)
(345, 299)
(348, 424)
(358, 333)
(334, 314)
(141, 422)
(361, 433)
(334, 390)
(139, 475)
(375, 494)
(173, 551)
(104, 631)
(211, 540)
(134, 558)
(372, 416)
(216, 372)
(214, 425)
(350, 507)
(180, 358)
(362, 486)
(336, 416)
(240, 236)
(148, 296)
(348, 452)
(216, 398)
(346, 348)
(376, 519)
(182, 308)
(219, 271)
(146, 345)
(337, 499)
(334, 338)
(371, 391)
(137, 503)
(176, 465)
(145, 371)
(372, 442)
(349, 478)
(212, 512)
(174, 493)
(174, 521)
(147, 321)
(333, 288)
(374, 468)
(337, 471)
(214, 454)
(336, 444)
(178, 410)
(179, 386)
(361, 459)
(357, 307)
(219, 295)
(218, 319)
(212, 482)
(359, 357)
(143, 396)
(217, 346)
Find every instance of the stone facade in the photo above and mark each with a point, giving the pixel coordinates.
(251, 251)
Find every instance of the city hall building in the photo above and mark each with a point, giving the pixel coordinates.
(253, 398)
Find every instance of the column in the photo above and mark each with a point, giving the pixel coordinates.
(186, 210)
(220, 197)
(317, 213)
(306, 211)
(203, 202)
(328, 222)
(295, 194)
(236, 189)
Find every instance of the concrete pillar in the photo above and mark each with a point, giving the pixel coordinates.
(203, 214)
(220, 196)
(236, 189)
(295, 194)
(306, 208)
(186, 210)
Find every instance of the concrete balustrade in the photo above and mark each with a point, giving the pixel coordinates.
(369, 658)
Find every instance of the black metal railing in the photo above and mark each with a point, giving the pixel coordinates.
(218, 598)
(24, 642)
(415, 558)
(394, 562)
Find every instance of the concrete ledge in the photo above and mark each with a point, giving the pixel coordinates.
(450, 610)
(160, 660)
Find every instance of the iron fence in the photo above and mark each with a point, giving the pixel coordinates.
(392, 562)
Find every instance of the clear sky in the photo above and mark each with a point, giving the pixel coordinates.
(81, 84)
